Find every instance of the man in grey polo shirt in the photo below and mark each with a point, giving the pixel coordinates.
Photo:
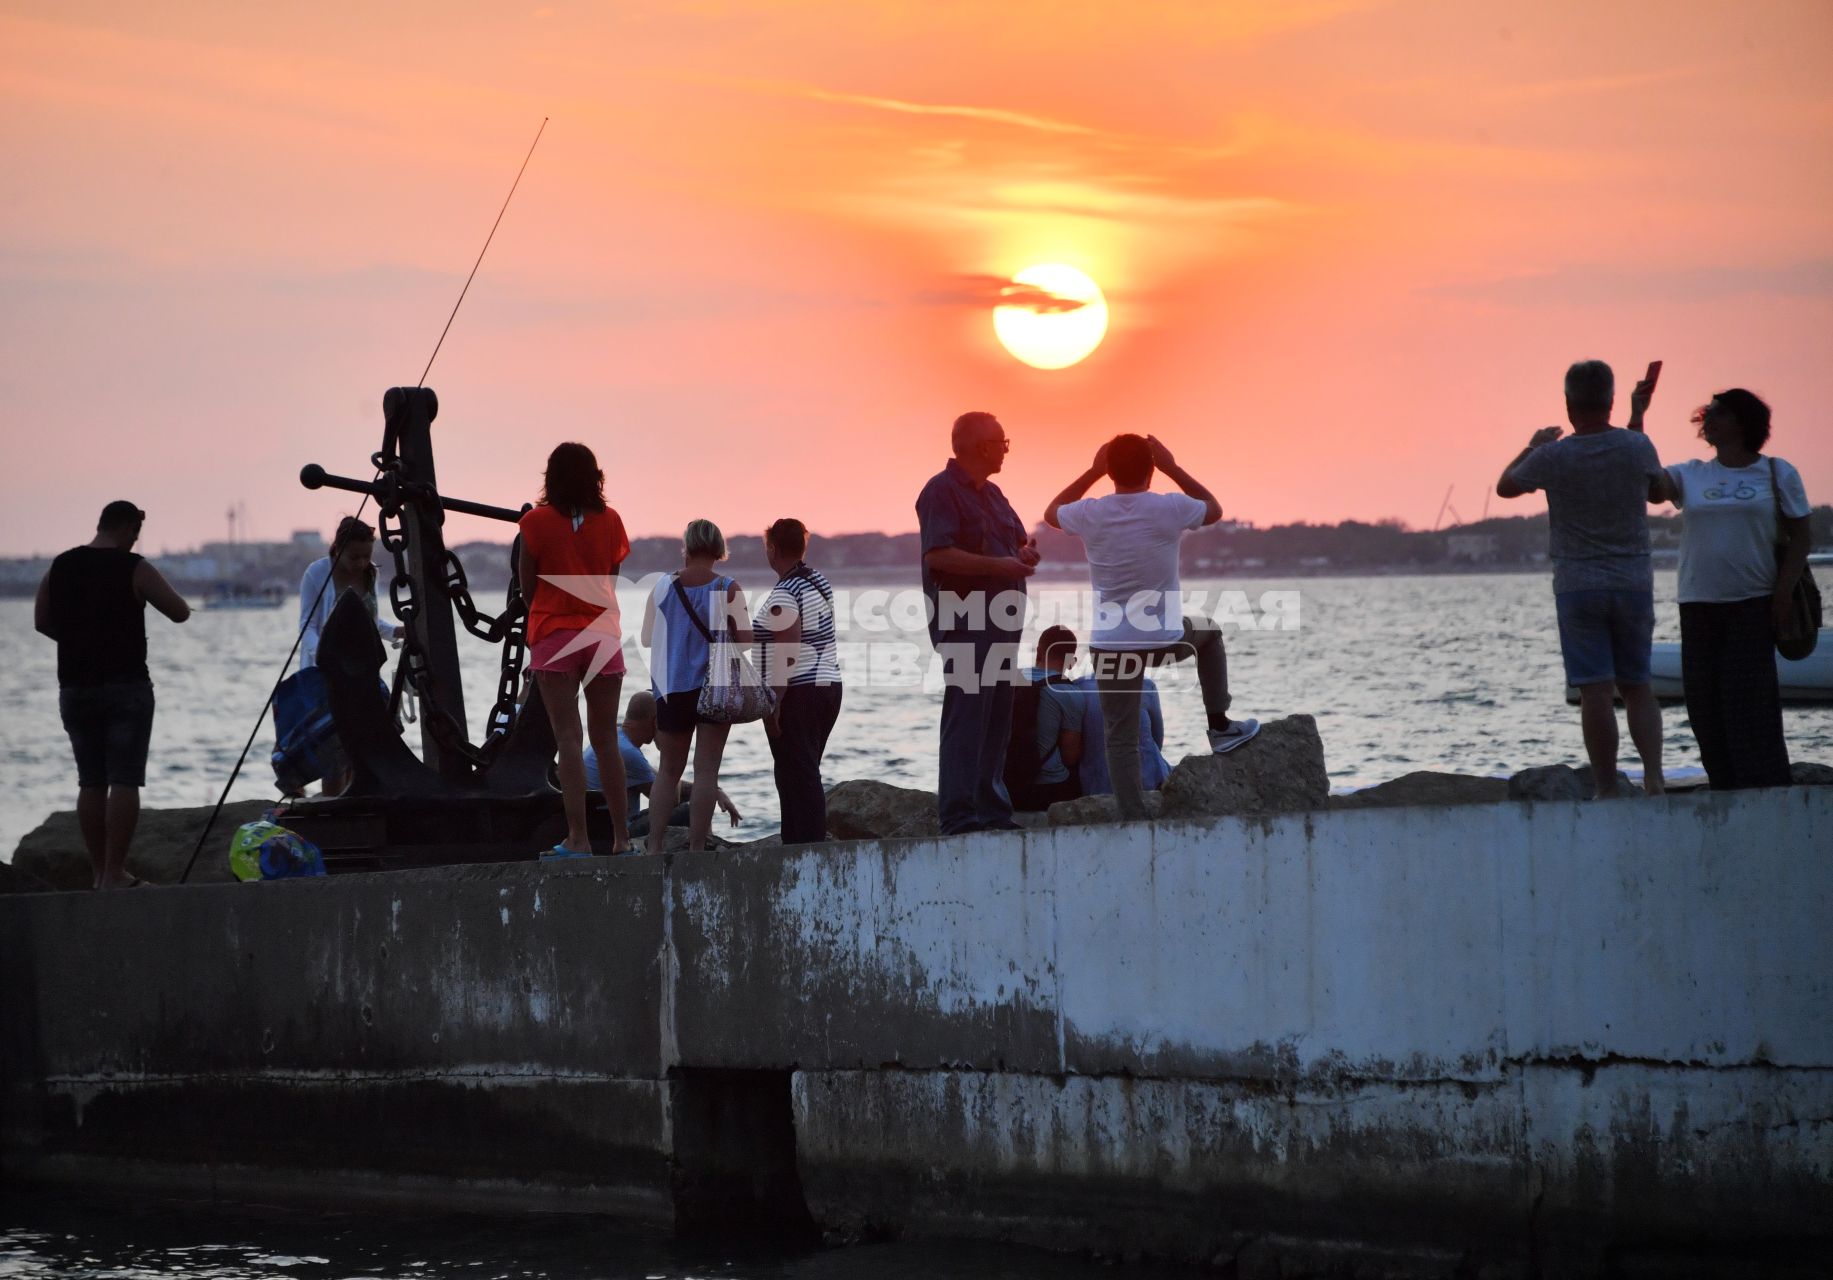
(976, 557)
(1598, 482)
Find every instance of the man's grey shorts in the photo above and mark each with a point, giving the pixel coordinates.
(110, 726)
(1606, 635)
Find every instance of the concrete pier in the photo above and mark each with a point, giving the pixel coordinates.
(1537, 1037)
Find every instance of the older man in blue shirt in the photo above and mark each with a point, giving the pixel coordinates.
(976, 557)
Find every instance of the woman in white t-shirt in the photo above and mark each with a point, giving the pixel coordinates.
(350, 566)
(1733, 595)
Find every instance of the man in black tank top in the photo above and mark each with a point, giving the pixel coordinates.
(93, 603)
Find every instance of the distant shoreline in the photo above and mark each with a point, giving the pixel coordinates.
(879, 575)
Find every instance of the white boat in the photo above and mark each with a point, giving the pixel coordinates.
(231, 595)
(1809, 680)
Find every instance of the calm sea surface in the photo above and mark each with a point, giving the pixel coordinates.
(1402, 673)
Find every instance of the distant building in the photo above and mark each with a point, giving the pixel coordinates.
(1473, 548)
(190, 568)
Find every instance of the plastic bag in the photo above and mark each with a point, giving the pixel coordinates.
(267, 851)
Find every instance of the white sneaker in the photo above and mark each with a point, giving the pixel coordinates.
(1238, 732)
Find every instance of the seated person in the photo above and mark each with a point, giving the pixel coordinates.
(1048, 715)
(1153, 767)
(636, 732)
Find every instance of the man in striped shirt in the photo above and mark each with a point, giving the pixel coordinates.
(795, 635)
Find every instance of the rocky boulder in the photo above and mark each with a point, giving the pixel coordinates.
(1088, 810)
(675, 840)
(163, 842)
(1426, 788)
(866, 810)
(1280, 771)
(1562, 782)
(13, 880)
(1803, 774)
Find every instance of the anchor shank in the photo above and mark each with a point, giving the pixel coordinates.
(314, 476)
(410, 421)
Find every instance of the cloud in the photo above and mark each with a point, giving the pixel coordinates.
(1070, 131)
(992, 115)
(1599, 286)
(1545, 89)
(996, 291)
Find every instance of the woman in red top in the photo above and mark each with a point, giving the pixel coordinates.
(572, 546)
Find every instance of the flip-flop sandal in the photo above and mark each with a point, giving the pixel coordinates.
(560, 851)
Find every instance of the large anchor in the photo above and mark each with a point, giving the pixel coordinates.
(456, 802)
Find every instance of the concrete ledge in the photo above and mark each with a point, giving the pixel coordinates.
(558, 1132)
(1196, 1169)
(340, 1189)
(1495, 1027)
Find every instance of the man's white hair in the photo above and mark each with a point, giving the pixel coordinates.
(967, 425)
(1590, 385)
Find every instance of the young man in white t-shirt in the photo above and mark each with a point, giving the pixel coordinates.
(1132, 538)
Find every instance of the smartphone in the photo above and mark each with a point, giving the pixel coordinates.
(1653, 375)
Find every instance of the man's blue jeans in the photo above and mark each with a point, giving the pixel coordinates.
(976, 725)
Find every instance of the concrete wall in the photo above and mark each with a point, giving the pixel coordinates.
(1498, 1027)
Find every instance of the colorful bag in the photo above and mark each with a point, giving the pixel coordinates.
(266, 851)
(733, 692)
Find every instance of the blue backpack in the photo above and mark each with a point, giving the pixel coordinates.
(305, 740)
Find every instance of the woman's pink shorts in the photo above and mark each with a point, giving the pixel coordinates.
(566, 651)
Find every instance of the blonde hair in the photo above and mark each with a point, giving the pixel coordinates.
(703, 538)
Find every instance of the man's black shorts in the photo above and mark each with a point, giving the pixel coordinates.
(110, 726)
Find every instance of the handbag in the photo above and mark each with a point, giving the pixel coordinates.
(732, 692)
(1800, 630)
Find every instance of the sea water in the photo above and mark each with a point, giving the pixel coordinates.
(1457, 673)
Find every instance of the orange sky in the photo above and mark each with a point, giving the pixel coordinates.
(1349, 246)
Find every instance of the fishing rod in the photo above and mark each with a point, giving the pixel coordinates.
(312, 612)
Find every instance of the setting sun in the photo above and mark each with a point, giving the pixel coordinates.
(1054, 316)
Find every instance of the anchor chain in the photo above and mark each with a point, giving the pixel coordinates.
(508, 628)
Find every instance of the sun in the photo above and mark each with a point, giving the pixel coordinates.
(1056, 316)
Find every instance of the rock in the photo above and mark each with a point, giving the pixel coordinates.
(1802, 774)
(13, 880)
(1280, 771)
(866, 810)
(163, 841)
(1562, 782)
(1550, 782)
(1426, 788)
(676, 838)
(1086, 811)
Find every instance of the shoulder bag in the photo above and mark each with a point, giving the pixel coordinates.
(732, 693)
(1800, 630)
